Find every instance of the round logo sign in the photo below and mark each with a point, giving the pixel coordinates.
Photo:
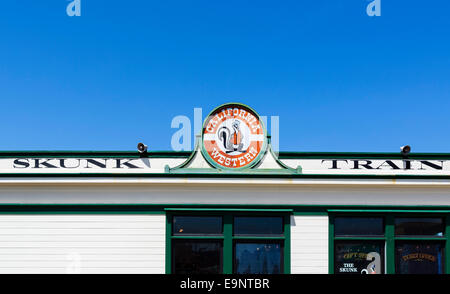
(233, 137)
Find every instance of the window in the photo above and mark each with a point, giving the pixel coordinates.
(359, 245)
(197, 257)
(228, 243)
(419, 246)
(419, 257)
(197, 225)
(416, 226)
(361, 257)
(390, 243)
(358, 226)
(258, 226)
(258, 257)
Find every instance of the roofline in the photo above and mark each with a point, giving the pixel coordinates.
(186, 154)
(90, 154)
(445, 178)
(360, 155)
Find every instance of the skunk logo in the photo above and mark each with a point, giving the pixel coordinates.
(232, 139)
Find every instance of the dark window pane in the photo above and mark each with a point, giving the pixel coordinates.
(359, 257)
(419, 258)
(197, 225)
(197, 257)
(358, 226)
(416, 226)
(258, 226)
(258, 258)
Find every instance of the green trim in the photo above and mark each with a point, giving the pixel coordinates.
(360, 155)
(229, 209)
(258, 238)
(447, 245)
(296, 209)
(318, 213)
(205, 237)
(390, 244)
(227, 260)
(421, 238)
(168, 244)
(359, 238)
(284, 168)
(210, 171)
(202, 174)
(331, 244)
(183, 167)
(287, 244)
(186, 154)
(94, 154)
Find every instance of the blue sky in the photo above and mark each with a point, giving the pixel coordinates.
(338, 79)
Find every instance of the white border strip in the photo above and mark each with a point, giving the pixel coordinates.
(219, 182)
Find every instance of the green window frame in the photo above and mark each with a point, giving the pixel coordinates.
(228, 238)
(389, 238)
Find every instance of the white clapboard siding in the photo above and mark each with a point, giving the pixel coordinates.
(85, 257)
(77, 225)
(309, 244)
(82, 243)
(96, 270)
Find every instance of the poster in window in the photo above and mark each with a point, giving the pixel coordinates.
(359, 258)
(419, 258)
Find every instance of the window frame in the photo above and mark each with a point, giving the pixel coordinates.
(228, 238)
(400, 236)
(269, 241)
(174, 234)
(267, 236)
(176, 240)
(356, 238)
(389, 238)
(361, 236)
(428, 241)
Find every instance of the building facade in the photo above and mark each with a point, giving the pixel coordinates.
(232, 205)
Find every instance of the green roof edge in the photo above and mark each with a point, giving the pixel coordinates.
(186, 154)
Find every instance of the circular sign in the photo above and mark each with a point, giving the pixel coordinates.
(233, 137)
